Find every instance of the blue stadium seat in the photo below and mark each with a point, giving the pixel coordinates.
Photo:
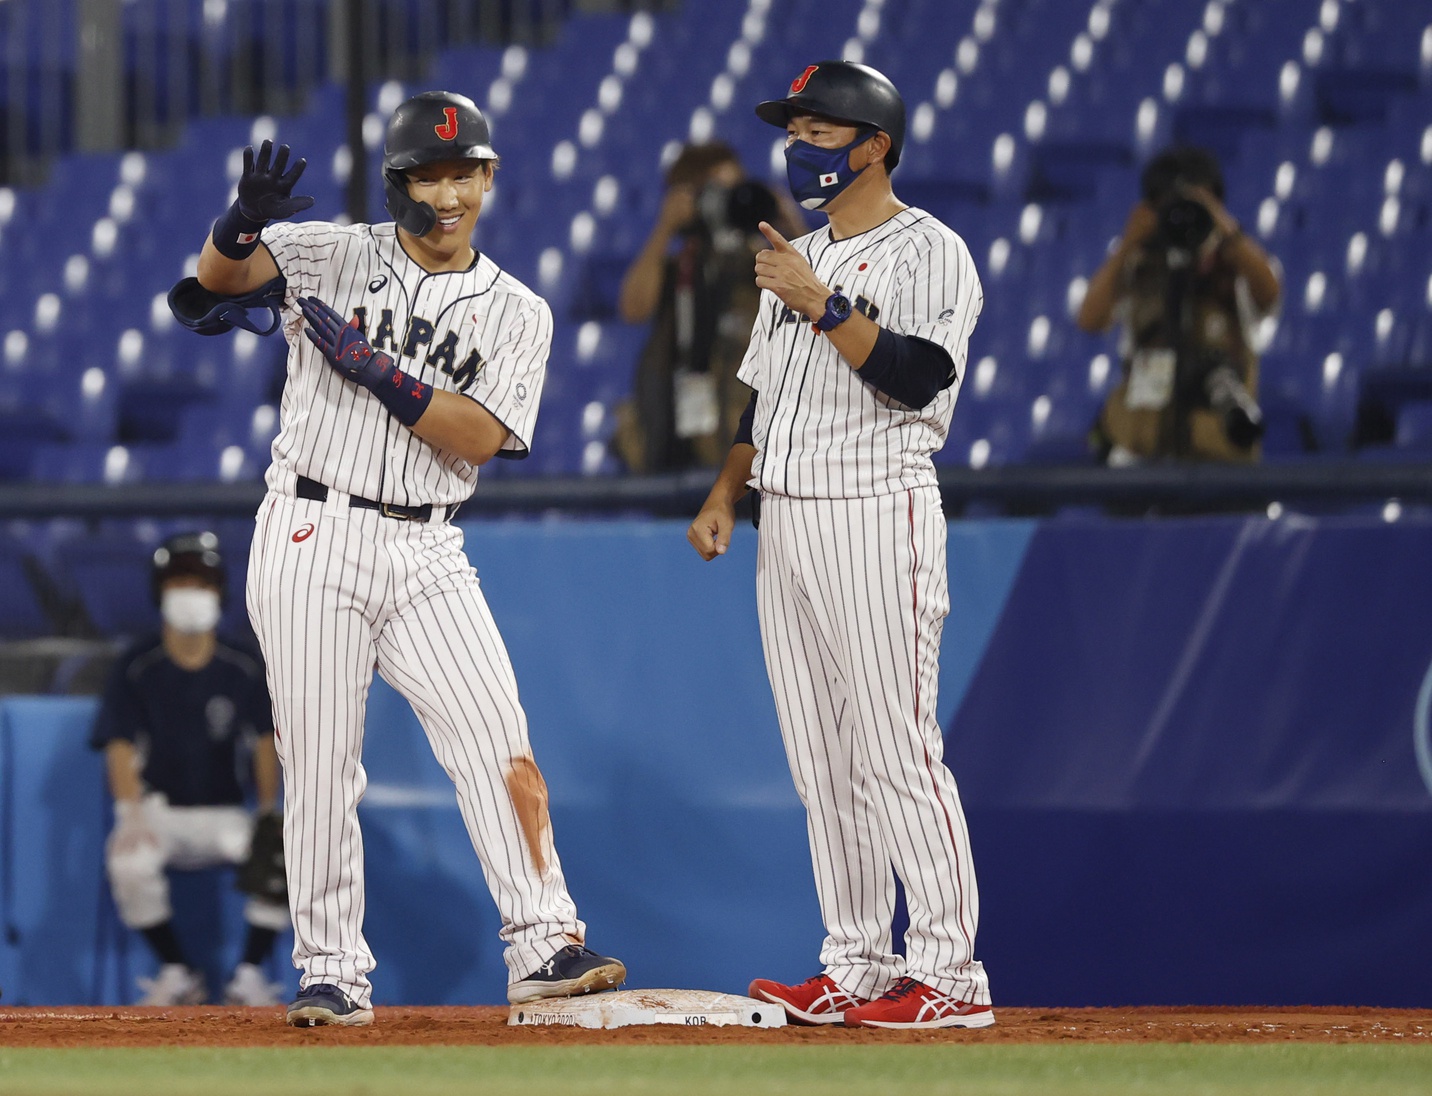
(110, 576)
(1414, 426)
(22, 616)
(1087, 71)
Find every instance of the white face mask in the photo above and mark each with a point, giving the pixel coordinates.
(190, 609)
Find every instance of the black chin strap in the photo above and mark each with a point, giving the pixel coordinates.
(418, 218)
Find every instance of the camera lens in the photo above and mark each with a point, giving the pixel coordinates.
(1184, 224)
(749, 204)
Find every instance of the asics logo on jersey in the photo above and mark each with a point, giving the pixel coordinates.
(377, 283)
(799, 83)
(302, 533)
(422, 334)
(447, 130)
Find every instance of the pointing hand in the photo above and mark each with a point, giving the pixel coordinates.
(784, 271)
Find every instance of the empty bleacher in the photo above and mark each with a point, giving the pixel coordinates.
(1029, 120)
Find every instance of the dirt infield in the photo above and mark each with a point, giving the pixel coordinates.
(487, 1026)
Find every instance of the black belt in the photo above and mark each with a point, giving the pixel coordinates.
(317, 492)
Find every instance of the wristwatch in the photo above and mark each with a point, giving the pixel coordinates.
(837, 311)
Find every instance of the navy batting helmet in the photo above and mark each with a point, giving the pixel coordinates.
(211, 313)
(187, 554)
(847, 92)
(433, 126)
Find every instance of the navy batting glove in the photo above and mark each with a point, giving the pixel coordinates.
(266, 188)
(265, 193)
(347, 349)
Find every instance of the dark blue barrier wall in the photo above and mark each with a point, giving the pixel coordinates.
(1191, 758)
(1187, 748)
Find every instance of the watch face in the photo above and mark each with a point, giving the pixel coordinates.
(839, 304)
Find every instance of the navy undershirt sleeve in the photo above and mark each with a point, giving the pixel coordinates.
(120, 715)
(748, 420)
(908, 368)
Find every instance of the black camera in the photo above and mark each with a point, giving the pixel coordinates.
(1228, 397)
(740, 208)
(1183, 224)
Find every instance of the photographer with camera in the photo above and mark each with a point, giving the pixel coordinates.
(1189, 288)
(692, 279)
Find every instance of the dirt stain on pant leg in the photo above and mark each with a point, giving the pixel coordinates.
(529, 798)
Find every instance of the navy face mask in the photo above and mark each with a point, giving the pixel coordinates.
(817, 175)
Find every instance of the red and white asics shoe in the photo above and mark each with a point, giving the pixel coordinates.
(817, 1000)
(912, 1004)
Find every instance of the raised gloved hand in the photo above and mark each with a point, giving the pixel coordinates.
(266, 188)
(347, 349)
(265, 194)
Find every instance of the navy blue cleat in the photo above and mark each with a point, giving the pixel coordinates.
(321, 1004)
(572, 972)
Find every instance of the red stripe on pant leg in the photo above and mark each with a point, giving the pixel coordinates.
(929, 761)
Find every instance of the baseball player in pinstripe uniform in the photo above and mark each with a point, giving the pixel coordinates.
(856, 358)
(413, 359)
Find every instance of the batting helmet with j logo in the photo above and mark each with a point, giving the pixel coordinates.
(433, 126)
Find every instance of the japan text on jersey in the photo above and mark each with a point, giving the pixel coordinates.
(477, 332)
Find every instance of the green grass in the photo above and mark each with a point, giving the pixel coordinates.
(1294, 1069)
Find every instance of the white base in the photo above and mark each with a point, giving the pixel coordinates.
(633, 1007)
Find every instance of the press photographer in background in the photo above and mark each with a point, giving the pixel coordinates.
(692, 280)
(1188, 288)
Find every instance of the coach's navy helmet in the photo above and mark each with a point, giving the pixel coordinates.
(845, 92)
(433, 126)
(194, 554)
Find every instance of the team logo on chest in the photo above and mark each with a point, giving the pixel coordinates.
(219, 715)
(421, 342)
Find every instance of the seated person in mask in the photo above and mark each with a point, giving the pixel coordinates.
(1188, 287)
(183, 714)
(692, 279)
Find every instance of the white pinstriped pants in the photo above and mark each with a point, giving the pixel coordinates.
(852, 597)
(330, 602)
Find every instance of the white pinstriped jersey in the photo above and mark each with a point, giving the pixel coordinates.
(479, 332)
(820, 430)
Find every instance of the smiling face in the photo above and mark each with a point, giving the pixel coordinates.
(455, 189)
